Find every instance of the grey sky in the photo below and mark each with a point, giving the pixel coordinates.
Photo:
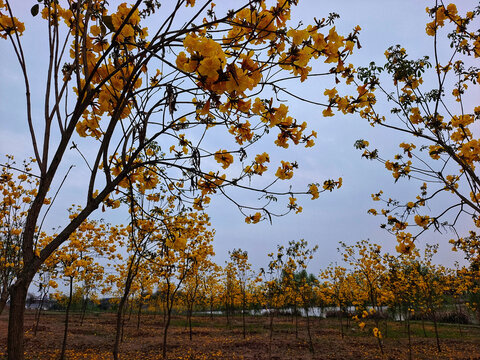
(337, 216)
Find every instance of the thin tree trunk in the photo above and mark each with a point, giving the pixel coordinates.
(340, 315)
(211, 308)
(190, 311)
(459, 313)
(409, 340)
(37, 321)
(436, 332)
(124, 319)
(118, 328)
(67, 315)
(271, 333)
(243, 316)
(165, 331)
(38, 313)
(423, 327)
(379, 339)
(84, 310)
(164, 309)
(312, 350)
(296, 319)
(380, 345)
(227, 312)
(131, 310)
(139, 314)
(121, 306)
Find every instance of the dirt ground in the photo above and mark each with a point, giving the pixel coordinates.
(213, 339)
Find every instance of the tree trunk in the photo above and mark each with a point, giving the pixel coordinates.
(379, 339)
(243, 315)
(123, 326)
(67, 314)
(409, 340)
(271, 333)
(190, 311)
(310, 341)
(423, 326)
(340, 315)
(18, 296)
(131, 311)
(165, 331)
(84, 310)
(436, 331)
(164, 312)
(139, 314)
(459, 317)
(3, 299)
(296, 319)
(211, 309)
(38, 313)
(132, 272)
(118, 328)
(227, 312)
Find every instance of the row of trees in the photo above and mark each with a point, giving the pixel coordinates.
(148, 108)
(120, 94)
(367, 289)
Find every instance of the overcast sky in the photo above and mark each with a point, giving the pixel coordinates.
(337, 216)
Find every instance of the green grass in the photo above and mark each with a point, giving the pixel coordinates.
(398, 330)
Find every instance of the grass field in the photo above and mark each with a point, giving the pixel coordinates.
(213, 339)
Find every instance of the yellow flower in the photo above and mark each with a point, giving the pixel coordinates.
(253, 219)
(422, 220)
(285, 171)
(313, 190)
(224, 158)
(327, 112)
(209, 67)
(330, 93)
(339, 183)
(298, 36)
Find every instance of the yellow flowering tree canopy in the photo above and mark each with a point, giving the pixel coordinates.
(154, 89)
(434, 106)
(17, 191)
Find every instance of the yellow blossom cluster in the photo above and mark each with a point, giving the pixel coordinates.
(405, 243)
(253, 219)
(224, 157)
(210, 183)
(285, 171)
(9, 26)
(258, 167)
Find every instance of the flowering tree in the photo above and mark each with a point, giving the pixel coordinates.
(132, 104)
(338, 288)
(78, 259)
(17, 192)
(242, 272)
(443, 148)
(296, 279)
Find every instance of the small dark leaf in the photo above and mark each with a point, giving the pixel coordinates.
(34, 9)
(107, 20)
